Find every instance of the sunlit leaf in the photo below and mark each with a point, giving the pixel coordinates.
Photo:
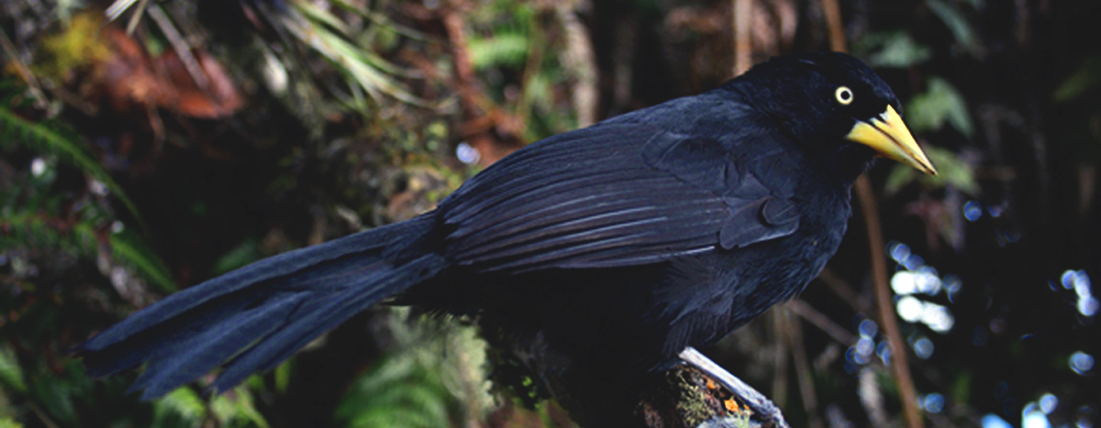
(10, 373)
(508, 49)
(78, 45)
(367, 68)
(283, 376)
(237, 409)
(313, 11)
(179, 408)
(941, 102)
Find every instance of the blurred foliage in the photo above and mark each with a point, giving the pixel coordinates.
(514, 50)
(952, 170)
(123, 175)
(939, 104)
(433, 371)
(79, 46)
(958, 23)
(894, 49)
(1082, 81)
(46, 141)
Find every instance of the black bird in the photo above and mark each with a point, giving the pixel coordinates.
(611, 247)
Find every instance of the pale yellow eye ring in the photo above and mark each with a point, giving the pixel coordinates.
(844, 95)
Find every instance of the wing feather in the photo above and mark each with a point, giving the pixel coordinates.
(605, 196)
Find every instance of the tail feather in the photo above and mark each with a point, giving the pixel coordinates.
(299, 331)
(184, 360)
(157, 340)
(259, 315)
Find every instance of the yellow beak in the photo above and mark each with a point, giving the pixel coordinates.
(890, 138)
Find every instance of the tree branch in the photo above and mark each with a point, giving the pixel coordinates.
(899, 366)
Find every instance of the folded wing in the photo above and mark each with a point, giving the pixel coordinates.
(613, 195)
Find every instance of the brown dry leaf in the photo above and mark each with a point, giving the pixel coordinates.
(127, 77)
(220, 98)
(131, 78)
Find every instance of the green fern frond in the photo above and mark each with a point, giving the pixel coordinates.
(37, 136)
(405, 389)
(26, 228)
(127, 248)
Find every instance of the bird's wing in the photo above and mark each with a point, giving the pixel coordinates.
(613, 195)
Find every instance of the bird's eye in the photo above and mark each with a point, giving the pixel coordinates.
(844, 95)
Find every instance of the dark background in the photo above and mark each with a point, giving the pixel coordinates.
(217, 133)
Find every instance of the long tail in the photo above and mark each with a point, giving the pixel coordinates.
(255, 317)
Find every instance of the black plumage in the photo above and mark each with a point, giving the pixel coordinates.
(609, 248)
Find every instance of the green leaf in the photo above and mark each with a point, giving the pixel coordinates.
(283, 376)
(10, 373)
(241, 255)
(893, 50)
(900, 176)
(957, 24)
(318, 14)
(367, 68)
(507, 49)
(179, 408)
(941, 102)
(1084, 78)
(952, 171)
(961, 389)
(237, 409)
(56, 397)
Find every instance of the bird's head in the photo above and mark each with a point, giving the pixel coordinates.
(835, 105)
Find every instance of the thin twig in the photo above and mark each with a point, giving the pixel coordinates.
(183, 50)
(899, 366)
(42, 416)
(833, 22)
(477, 109)
(871, 397)
(537, 40)
(803, 371)
(464, 70)
(820, 320)
(580, 61)
(23, 70)
(743, 41)
(843, 290)
(780, 357)
(117, 8)
(138, 11)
